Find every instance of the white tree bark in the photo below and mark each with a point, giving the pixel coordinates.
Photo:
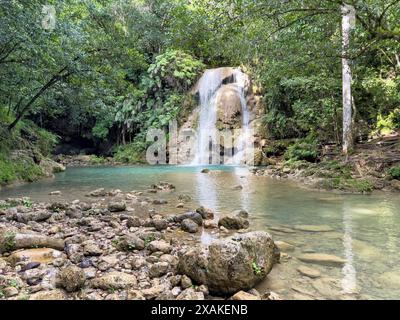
(348, 19)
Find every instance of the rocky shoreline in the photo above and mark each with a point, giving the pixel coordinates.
(118, 246)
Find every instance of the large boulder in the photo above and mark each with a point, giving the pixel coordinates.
(229, 107)
(230, 265)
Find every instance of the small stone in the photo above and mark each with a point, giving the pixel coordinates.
(134, 222)
(190, 294)
(189, 225)
(284, 246)
(205, 212)
(55, 193)
(101, 192)
(237, 187)
(10, 292)
(241, 295)
(158, 269)
(117, 206)
(91, 249)
(205, 170)
(130, 242)
(233, 222)
(186, 282)
(135, 295)
(72, 278)
(55, 294)
(160, 224)
(114, 281)
(159, 245)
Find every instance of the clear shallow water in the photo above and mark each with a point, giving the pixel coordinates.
(366, 228)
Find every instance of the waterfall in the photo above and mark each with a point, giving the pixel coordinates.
(209, 87)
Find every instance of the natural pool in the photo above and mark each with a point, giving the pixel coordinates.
(365, 227)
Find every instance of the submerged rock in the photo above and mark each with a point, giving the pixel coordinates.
(309, 272)
(230, 265)
(313, 228)
(117, 206)
(322, 259)
(195, 216)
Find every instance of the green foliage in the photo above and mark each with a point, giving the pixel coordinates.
(303, 149)
(256, 269)
(395, 172)
(131, 153)
(352, 185)
(97, 161)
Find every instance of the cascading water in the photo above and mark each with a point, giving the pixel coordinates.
(207, 146)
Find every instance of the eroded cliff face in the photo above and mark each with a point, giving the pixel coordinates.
(226, 99)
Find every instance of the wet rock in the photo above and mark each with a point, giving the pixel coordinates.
(230, 265)
(74, 213)
(322, 259)
(237, 187)
(232, 222)
(189, 225)
(114, 281)
(159, 245)
(55, 193)
(72, 278)
(159, 201)
(56, 294)
(117, 206)
(190, 294)
(241, 295)
(184, 197)
(158, 269)
(205, 213)
(205, 170)
(180, 205)
(208, 224)
(195, 216)
(313, 228)
(309, 272)
(240, 213)
(101, 192)
(284, 246)
(130, 242)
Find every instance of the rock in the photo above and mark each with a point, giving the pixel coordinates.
(208, 224)
(74, 213)
(159, 201)
(160, 224)
(114, 281)
(164, 186)
(41, 256)
(55, 193)
(309, 272)
(313, 228)
(189, 225)
(230, 265)
(205, 213)
(72, 278)
(284, 246)
(233, 222)
(101, 192)
(134, 222)
(56, 294)
(117, 206)
(37, 216)
(241, 213)
(130, 242)
(190, 294)
(10, 241)
(186, 282)
(180, 205)
(195, 216)
(158, 269)
(90, 248)
(159, 245)
(184, 197)
(237, 187)
(322, 259)
(154, 291)
(135, 295)
(241, 295)
(3, 263)
(205, 170)
(10, 292)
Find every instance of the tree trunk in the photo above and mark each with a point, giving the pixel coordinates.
(348, 18)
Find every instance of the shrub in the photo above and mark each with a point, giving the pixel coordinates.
(395, 172)
(303, 150)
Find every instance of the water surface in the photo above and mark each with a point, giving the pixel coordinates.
(365, 228)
